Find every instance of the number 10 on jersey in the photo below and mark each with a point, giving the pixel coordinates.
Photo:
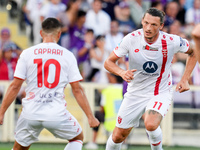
(44, 71)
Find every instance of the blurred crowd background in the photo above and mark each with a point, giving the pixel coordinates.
(91, 29)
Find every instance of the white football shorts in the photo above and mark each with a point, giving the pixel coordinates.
(132, 108)
(27, 131)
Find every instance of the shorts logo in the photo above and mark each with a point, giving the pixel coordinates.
(119, 119)
(150, 67)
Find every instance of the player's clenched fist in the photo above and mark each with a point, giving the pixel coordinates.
(128, 75)
(93, 122)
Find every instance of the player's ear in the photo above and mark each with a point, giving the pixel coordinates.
(161, 26)
(41, 33)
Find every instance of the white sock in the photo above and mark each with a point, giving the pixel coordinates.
(110, 145)
(155, 138)
(74, 145)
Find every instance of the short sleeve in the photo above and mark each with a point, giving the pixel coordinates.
(74, 73)
(123, 47)
(20, 71)
(181, 45)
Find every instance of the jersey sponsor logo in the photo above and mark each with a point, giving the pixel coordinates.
(150, 67)
(119, 119)
(149, 48)
(51, 95)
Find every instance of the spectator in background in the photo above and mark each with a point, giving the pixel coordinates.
(7, 63)
(5, 40)
(113, 38)
(32, 10)
(52, 9)
(158, 5)
(138, 8)
(77, 32)
(193, 14)
(123, 16)
(109, 7)
(171, 13)
(182, 11)
(97, 19)
(83, 53)
(97, 56)
(67, 19)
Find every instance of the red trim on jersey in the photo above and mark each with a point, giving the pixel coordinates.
(164, 52)
(116, 55)
(19, 78)
(76, 81)
(156, 144)
(77, 141)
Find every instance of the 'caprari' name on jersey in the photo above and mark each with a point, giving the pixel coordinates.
(39, 51)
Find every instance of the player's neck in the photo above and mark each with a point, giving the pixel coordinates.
(49, 40)
(151, 40)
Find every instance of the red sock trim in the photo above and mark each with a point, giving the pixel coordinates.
(77, 141)
(156, 144)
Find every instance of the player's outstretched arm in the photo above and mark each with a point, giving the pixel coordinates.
(111, 66)
(83, 103)
(10, 96)
(183, 85)
(196, 38)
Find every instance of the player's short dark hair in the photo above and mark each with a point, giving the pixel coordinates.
(50, 24)
(156, 13)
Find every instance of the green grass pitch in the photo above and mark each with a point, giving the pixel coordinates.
(51, 146)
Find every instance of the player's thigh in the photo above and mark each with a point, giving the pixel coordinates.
(27, 131)
(130, 112)
(68, 128)
(160, 103)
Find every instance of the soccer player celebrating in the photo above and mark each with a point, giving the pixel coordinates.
(47, 69)
(149, 78)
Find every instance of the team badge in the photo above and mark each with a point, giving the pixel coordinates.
(136, 50)
(119, 119)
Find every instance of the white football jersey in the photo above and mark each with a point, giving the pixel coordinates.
(47, 69)
(152, 61)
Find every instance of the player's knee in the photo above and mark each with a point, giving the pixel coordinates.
(118, 138)
(79, 137)
(151, 126)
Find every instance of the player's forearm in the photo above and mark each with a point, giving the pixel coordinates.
(83, 102)
(197, 48)
(112, 67)
(9, 97)
(190, 64)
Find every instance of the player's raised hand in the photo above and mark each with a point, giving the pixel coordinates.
(93, 122)
(128, 75)
(182, 86)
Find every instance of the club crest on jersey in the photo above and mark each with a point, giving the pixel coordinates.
(150, 67)
(31, 95)
(119, 119)
(147, 47)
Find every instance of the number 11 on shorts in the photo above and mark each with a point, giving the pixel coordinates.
(157, 104)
